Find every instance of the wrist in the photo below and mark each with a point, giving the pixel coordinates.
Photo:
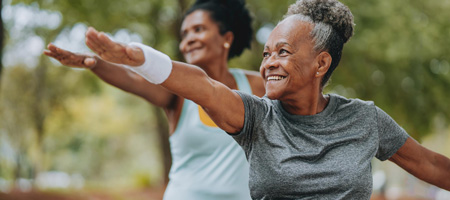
(157, 66)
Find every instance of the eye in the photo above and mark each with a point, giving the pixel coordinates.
(199, 29)
(283, 51)
(266, 54)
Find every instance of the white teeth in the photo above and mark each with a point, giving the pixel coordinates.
(277, 78)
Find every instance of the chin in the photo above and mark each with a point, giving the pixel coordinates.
(195, 60)
(272, 96)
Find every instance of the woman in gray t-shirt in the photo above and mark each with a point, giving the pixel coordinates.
(301, 143)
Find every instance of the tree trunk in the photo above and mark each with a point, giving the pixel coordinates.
(163, 137)
(39, 112)
(2, 34)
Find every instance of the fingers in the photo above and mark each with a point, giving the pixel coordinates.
(112, 51)
(68, 58)
(101, 42)
(92, 41)
(107, 43)
(50, 53)
(55, 52)
(106, 48)
(102, 45)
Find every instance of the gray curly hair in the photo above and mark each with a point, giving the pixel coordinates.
(333, 26)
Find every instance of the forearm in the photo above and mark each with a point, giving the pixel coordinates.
(127, 80)
(114, 74)
(440, 171)
(423, 163)
(183, 79)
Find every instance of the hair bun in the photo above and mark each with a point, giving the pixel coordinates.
(331, 12)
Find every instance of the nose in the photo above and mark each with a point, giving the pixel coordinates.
(190, 38)
(271, 62)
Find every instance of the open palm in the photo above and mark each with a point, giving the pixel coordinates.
(69, 58)
(112, 51)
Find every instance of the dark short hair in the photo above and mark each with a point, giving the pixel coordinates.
(230, 15)
(333, 26)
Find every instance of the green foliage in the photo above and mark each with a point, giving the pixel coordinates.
(397, 58)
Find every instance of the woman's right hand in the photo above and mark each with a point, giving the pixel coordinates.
(71, 59)
(112, 51)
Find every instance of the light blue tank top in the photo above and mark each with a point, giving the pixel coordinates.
(207, 164)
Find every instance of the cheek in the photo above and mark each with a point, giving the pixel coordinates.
(262, 71)
(300, 66)
(182, 46)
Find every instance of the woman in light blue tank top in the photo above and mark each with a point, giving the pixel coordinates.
(207, 164)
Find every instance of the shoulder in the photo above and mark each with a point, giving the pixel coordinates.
(352, 103)
(256, 82)
(354, 107)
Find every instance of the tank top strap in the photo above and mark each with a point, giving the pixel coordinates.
(241, 80)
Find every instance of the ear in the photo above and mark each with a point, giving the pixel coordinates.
(228, 37)
(323, 62)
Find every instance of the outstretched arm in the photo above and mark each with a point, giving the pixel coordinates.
(223, 105)
(114, 74)
(424, 164)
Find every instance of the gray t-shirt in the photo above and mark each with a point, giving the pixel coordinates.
(322, 156)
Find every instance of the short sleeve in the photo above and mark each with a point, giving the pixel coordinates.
(255, 111)
(391, 135)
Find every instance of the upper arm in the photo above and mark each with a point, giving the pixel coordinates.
(226, 108)
(256, 82)
(223, 105)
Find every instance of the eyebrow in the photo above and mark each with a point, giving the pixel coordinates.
(193, 26)
(278, 44)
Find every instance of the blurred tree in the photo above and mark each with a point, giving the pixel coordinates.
(396, 58)
(135, 16)
(1, 44)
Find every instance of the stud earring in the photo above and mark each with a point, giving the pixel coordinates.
(317, 73)
(226, 45)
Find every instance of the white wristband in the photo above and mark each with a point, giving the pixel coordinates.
(157, 66)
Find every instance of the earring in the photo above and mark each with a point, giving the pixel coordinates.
(226, 45)
(317, 73)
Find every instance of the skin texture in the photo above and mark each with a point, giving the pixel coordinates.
(199, 46)
(289, 53)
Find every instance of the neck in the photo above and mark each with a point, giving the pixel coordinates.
(307, 103)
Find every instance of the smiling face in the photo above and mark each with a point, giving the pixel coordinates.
(290, 64)
(201, 41)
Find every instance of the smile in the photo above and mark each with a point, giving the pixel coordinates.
(193, 49)
(275, 78)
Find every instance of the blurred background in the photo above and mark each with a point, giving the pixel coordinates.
(65, 134)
